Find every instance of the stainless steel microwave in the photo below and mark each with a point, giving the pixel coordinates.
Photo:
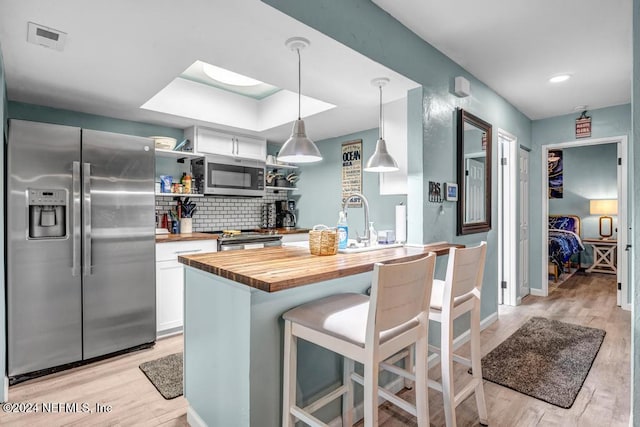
(230, 176)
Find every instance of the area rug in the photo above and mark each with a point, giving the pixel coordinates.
(545, 359)
(165, 374)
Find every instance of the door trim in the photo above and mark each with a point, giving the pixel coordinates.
(622, 191)
(507, 214)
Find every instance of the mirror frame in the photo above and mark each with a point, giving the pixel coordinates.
(476, 227)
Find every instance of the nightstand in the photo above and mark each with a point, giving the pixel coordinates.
(604, 256)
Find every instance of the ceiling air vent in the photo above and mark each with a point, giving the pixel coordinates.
(45, 36)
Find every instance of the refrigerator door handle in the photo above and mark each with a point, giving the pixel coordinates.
(75, 221)
(86, 190)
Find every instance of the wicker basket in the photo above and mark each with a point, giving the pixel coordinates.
(323, 240)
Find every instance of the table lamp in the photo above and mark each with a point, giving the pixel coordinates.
(605, 208)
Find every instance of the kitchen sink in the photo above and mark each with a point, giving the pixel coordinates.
(351, 249)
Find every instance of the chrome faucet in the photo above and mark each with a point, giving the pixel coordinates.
(367, 237)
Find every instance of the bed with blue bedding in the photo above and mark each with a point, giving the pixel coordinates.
(564, 241)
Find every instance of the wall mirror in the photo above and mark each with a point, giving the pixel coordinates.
(474, 173)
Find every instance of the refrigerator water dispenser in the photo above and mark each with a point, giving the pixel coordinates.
(47, 213)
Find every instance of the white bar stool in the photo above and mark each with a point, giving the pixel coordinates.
(367, 330)
(459, 293)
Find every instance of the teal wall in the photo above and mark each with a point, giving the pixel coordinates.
(606, 122)
(320, 188)
(589, 173)
(38, 113)
(362, 26)
(3, 134)
(634, 190)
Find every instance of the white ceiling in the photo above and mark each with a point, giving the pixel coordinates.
(516, 46)
(120, 53)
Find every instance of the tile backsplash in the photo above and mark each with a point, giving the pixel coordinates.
(221, 213)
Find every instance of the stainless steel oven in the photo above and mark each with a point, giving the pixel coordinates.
(247, 239)
(229, 176)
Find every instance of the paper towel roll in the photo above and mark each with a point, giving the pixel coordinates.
(401, 223)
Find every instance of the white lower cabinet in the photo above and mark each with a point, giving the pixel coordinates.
(295, 237)
(170, 282)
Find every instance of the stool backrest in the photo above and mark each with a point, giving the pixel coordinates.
(465, 270)
(399, 292)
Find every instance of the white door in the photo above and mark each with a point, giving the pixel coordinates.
(474, 187)
(523, 244)
(508, 249)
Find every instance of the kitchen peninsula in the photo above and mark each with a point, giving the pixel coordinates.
(233, 327)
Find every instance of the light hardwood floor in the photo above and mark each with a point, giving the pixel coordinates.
(589, 300)
(117, 382)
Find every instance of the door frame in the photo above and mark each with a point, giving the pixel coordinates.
(622, 192)
(507, 215)
(524, 151)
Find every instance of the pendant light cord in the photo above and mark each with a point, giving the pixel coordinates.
(381, 120)
(299, 82)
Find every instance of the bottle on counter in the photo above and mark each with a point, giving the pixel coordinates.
(373, 235)
(343, 231)
(186, 183)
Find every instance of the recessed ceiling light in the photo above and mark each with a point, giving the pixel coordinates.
(560, 78)
(228, 77)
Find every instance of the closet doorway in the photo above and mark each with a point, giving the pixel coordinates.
(513, 220)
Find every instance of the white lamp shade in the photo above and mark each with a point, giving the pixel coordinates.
(381, 160)
(603, 207)
(298, 148)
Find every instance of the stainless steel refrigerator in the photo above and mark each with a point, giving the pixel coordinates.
(80, 245)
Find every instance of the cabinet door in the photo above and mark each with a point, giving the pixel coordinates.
(251, 148)
(295, 237)
(169, 296)
(395, 129)
(212, 142)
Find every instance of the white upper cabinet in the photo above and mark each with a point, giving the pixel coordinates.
(211, 141)
(251, 148)
(395, 134)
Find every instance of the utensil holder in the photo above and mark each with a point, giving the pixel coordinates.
(186, 225)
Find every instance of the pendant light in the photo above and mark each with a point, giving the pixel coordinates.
(381, 160)
(298, 148)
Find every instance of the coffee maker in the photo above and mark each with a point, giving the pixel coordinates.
(285, 214)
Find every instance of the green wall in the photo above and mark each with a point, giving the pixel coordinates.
(3, 134)
(362, 26)
(38, 113)
(320, 188)
(606, 122)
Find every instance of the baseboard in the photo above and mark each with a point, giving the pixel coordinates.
(537, 292)
(358, 412)
(169, 332)
(193, 419)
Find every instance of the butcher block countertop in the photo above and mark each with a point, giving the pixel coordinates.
(278, 268)
(185, 237)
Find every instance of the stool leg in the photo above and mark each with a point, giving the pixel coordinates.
(371, 391)
(289, 375)
(476, 365)
(347, 398)
(422, 389)
(446, 365)
(409, 365)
